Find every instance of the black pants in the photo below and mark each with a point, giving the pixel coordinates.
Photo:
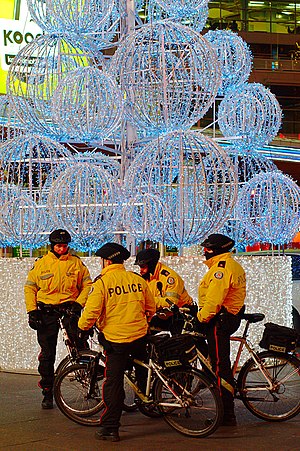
(218, 339)
(113, 386)
(47, 338)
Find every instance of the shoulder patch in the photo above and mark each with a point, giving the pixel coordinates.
(218, 275)
(171, 280)
(164, 272)
(222, 264)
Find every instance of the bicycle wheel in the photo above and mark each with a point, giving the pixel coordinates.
(84, 356)
(74, 395)
(129, 402)
(282, 401)
(201, 411)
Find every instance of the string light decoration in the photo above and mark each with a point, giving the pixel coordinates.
(22, 222)
(86, 200)
(191, 17)
(251, 113)
(79, 16)
(182, 7)
(109, 164)
(20, 348)
(35, 73)
(145, 216)
(234, 56)
(170, 75)
(105, 36)
(87, 104)
(269, 207)
(30, 162)
(247, 165)
(194, 179)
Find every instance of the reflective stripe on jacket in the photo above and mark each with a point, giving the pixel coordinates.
(55, 280)
(121, 303)
(172, 287)
(223, 285)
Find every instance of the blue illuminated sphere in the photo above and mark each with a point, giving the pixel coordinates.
(145, 216)
(170, 75)
(87, 104)
(192, 177)
(22, 222)
(269, 208)
(252, 114)
(35, 73)
(182, 7)
(30, 162)
(79, 16)
(234, 56)
(190, 17)
(85, 200)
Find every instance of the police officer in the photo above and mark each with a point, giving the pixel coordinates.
(166, 286)
(122, 304)
(56, 282)
(221, 293)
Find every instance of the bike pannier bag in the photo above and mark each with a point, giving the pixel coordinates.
(279, 338)
(176, 351)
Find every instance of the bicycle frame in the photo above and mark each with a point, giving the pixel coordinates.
(153, 367)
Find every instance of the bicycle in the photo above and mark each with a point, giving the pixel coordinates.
(84, 356)
(188, 400)
(267, 383)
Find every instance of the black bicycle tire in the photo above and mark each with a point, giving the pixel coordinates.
(69, 360)
(256, 409)
(210, 394)
(83, 417)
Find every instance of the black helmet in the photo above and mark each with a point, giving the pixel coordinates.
(59, 236)
(147, 256)
(217, 241)
(114, 252)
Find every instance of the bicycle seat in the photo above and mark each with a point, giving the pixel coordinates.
(253, 317)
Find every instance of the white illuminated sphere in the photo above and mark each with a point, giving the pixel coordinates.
(234, 56)
(269, 207)
(35, 73)
(170, 75)
(85, 199)
(193, 177)
(251, 114)
(80, 16)
(87, 104)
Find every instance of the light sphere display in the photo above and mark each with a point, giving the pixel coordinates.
(145, 216)
(269, 207)
(234, 57)
(247, 165)
(184, 7)
(31, 162)
(193, 177)
(35, 74)
(87, 104)
(22, 222)
(85, 199)
(194, 18)
(170, 75)
(79, 16)
(109, 164)
(252, 114)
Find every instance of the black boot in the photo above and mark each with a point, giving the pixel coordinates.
(47, 402)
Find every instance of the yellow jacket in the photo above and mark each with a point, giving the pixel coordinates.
(172, 287)
(55, 280)
(223, 285)
(121, 303)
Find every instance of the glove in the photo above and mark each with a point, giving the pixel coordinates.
(34, 319)
(76, 309)
(193, 308)
(85, 334)
(199, 327)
